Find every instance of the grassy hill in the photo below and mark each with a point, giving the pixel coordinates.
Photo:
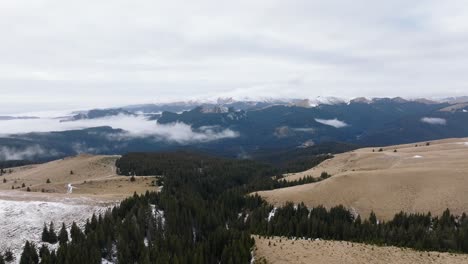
(410, 178)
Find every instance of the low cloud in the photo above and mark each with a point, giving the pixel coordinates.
(133, 126)
(434, 121)
(305, 129)
(177, 133)
(31, 152)
(285, 131)
(332, 122)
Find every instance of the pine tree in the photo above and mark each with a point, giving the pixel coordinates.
(45, 234)
(63, 235)
(75, 233)
(29, 255)
(44, 253)
(52, 235)
(9, 255)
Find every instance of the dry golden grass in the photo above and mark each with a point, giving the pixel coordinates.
(93, 176)
(413, 179)
(281, 250)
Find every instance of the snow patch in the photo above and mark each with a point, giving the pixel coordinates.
(158, 214)
(272, 214)
(417, 157)
(24, 220)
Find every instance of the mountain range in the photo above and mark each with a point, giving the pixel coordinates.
(247, 128)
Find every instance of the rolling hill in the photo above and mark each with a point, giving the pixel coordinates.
(420, 177)
(93, 176)
(279, 250)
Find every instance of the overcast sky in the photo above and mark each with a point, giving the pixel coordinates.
(57, 54)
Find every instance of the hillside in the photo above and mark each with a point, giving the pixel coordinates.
(281, 250)
(91, 175)
(413, 179)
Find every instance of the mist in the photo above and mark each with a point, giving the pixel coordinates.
(8, 153)
(434, 121)
(134, 127)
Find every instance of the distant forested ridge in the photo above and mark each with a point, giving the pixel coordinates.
(204, 214)
(257, 129)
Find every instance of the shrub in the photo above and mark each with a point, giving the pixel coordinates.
(324, 175)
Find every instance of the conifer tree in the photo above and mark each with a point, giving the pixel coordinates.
(45, 234)
(8, 255)
(29, 255)
(63, 235)
(52, 235)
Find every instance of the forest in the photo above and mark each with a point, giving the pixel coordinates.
(204, 214)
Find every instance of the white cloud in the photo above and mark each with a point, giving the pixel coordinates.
(177, 132)
(332, 122)
(31, 152)
(120, 52)
(434, 121)
(134, 126)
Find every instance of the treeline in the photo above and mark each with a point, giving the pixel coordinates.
(4, 165)
(301, 159)
(246, 174)
(279, 182)
(418, 231)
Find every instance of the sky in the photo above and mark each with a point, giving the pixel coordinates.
(58, 54)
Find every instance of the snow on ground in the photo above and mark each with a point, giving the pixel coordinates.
(417, 157)
(24, 220)
(158, 214)
(272, 214)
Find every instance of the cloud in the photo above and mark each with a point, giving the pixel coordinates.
(212, 48)
(286, 131)
(332, 122)
(134, 127)
(177, 133)
(305, 129)
(31, 152)
(434, 121)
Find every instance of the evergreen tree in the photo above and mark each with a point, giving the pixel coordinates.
(52, 235)
(8, 255)
(63, 235)
(29, 255)
(45, 234)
